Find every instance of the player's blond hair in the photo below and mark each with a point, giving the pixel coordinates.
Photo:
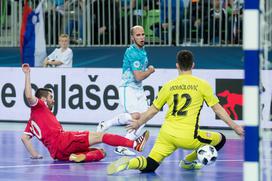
(133, 28)
(64, 36)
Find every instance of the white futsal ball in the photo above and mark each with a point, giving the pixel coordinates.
(207, 154)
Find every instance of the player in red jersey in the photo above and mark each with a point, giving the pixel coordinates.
(65, 145)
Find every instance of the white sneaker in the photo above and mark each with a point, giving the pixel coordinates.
(124, 151)
(102, 127)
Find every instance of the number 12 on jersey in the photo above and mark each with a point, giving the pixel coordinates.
(182, 111)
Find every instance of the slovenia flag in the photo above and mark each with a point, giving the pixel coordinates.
(32, 40)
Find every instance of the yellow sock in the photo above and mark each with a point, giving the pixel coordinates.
(191, 157)
(138, 163)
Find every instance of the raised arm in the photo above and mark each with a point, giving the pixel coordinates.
(222, 114)
(27, 142)
(28, 91)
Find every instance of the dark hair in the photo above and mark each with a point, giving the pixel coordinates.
(42, 92)
(185, 60)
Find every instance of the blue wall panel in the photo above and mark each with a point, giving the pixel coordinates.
(160, 57)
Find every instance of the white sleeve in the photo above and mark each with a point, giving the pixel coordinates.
(52, 56)
(68, 57)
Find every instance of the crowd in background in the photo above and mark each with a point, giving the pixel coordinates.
(166, 22)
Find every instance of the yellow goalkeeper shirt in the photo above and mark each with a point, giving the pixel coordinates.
(185, 96)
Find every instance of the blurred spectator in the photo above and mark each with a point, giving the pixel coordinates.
(74, 20)
(234, 10)
(59, 4)
(196, 20)
(164, 19)
(132, 14)
(3, 13)
(105, 17)
(54, 20)
(217, 22)
(151, 4)
(60, 57)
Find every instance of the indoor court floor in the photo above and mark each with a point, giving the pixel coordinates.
(16, 164)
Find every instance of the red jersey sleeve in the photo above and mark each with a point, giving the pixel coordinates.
(28, 130)
(38, 104)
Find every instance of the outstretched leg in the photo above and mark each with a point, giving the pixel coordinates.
(215, 139)
(120, 119)
(132, 136)
(116, 140)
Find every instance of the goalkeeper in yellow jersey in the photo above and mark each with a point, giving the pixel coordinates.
(185, 96)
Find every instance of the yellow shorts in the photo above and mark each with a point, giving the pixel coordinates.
(166, 144)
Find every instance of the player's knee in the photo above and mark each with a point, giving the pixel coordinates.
(221, 143)
(151, 166)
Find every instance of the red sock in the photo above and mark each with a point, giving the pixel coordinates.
(116, 140)
(94, 155)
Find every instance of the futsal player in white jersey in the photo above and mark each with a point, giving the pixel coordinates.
(131, 93)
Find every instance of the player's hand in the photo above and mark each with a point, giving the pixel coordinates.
(133, 125)
(239, 130)
(37, 157)
(151, 69)
(135, 115)
(26, 68)
(45, 63)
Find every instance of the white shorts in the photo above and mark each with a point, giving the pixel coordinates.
(132, 100)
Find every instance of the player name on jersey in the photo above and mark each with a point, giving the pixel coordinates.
(184, 87)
